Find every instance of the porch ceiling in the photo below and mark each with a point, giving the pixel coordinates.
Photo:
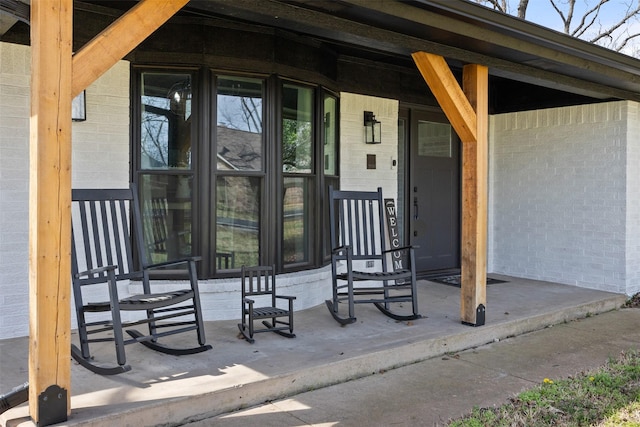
(463, 32)
(521, 56)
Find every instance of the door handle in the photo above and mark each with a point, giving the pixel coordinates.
(415, 208)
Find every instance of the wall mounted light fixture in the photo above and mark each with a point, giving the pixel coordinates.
(79, 107)
(372, 128)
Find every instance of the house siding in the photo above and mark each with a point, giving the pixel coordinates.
(14, 189)
(100, 157)
(562, 205)
(354, 174)
(632, 251)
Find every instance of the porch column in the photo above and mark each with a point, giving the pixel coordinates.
(475, 153)
(467, 111)
(50, 211)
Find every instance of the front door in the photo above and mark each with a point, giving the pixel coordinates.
(434, 192)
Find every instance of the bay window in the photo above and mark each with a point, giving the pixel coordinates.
(233, 168)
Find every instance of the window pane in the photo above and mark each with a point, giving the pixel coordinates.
(237, 221)
(297, 132)
(434, 139)
(330, 135)
(296, 220)
(166, 215)
(165, 129)
(239, 123)
(326, 236)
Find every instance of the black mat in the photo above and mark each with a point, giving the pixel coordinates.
(455, 280)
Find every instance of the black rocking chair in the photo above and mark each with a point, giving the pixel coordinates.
(102, 255)
(260, 283)
(362, 272)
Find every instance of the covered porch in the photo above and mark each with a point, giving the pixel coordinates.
(163, 389)
(154, 383)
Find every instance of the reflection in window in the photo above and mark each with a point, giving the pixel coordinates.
(221, 162)
(434, 139)
(297, 131)
(165, 129)
(239, 123)
(296, 222)
(166, 212)
(237, 221)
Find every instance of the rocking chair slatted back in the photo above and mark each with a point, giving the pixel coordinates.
(104, 219)
(358, 218)
(258, 281)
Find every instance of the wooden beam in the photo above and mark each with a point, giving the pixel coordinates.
(447, 91)
(473, 296)
(467, 111)
(50, 211)
(120, 38)
(52, 88)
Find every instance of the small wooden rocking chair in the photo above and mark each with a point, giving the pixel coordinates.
(102, 255)
(358, 239)
(260, 282)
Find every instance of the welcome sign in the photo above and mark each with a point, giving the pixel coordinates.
(394, 235)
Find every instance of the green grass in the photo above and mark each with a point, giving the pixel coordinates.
(605, 397)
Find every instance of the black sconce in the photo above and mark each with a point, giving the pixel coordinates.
(372, 129)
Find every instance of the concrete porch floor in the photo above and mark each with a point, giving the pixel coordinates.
(168, 390)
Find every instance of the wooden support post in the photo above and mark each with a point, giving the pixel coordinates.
(50, 211)
(473, 296)
(52, 88)
(467, 111)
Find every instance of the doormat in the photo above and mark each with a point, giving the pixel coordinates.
(455, 280)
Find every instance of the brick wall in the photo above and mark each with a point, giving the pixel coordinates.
(559, 192)
(100, 158)
(14, 190)
(354, 174)
(632, 273)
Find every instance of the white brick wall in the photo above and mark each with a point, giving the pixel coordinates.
(632, 273)
(14, 190)
(101, 144)
(100, 158)
(563, 201)
(559, 192)
(354, 174)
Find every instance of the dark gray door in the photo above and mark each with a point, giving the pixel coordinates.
(434, 192)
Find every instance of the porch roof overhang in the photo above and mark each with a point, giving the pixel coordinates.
(390, 31)
(461, 31)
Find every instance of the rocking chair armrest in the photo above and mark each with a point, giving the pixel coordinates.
(342, 251)
(96, 270)
(248, 300)
(289, 297)
(173, 262)
(402, 248)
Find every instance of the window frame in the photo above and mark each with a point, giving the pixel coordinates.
(204, 171)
